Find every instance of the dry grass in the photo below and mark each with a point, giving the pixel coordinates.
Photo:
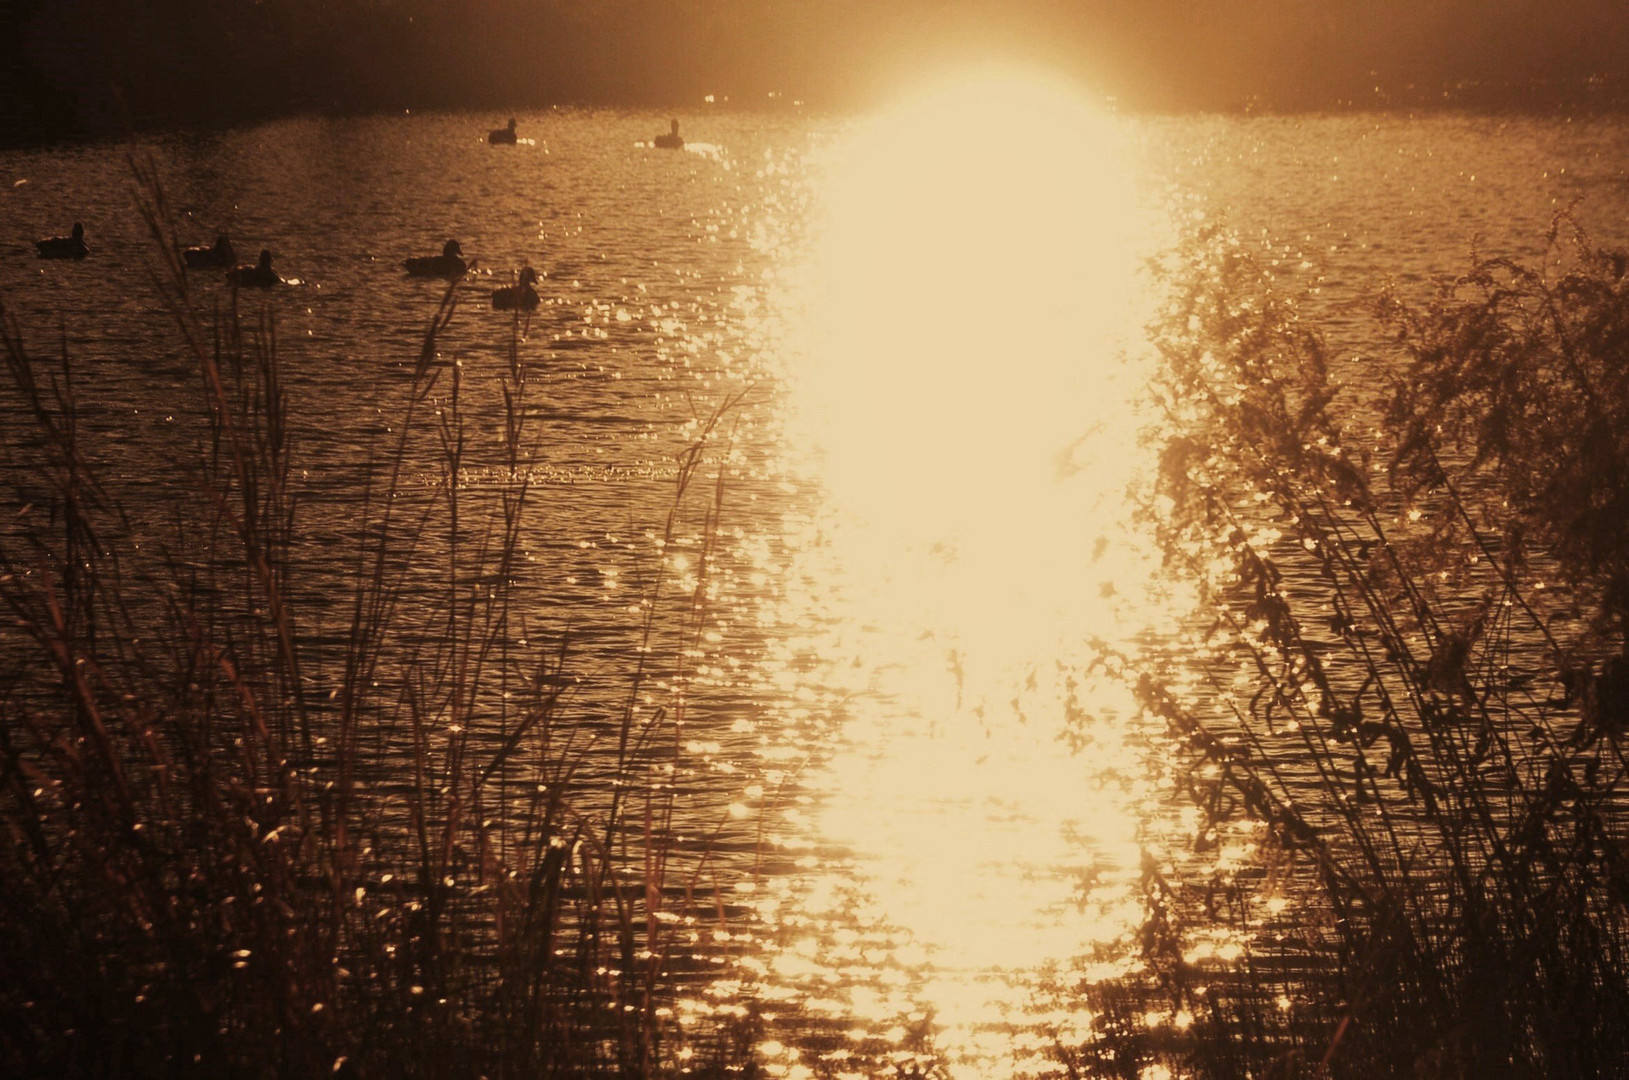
(1408, 669)
(236, 840)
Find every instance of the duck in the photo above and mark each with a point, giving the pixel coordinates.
(670, 141)
(64, 247)
(518, 297)
(219, 254)
(259, 276)
(503, 135)
(448, 264)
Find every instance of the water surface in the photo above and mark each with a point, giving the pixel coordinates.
(934, 336)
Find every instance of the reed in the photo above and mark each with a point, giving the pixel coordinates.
(249, 829)
(1403, 688)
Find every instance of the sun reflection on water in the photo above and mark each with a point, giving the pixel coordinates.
(964, 391)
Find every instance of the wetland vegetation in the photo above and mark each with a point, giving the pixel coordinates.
(1402, 694)
(255, 829)
(252, 826)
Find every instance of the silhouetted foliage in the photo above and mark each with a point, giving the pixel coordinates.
(1524, 376)
(1396, 680)
(236, 841)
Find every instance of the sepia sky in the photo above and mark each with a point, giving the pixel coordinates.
(218, 60)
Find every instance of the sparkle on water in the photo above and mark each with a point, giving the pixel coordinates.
(964, 387)
(959, 395)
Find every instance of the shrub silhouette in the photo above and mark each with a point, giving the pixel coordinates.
(1416, 685)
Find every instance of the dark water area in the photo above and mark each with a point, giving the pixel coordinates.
(872, 752)
(654, 267)
(648, 259)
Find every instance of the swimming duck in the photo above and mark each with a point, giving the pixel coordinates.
(219, 254)
(671, 140)
(517, 297)
(448, 264)
(260, 276)
(503, 135)
(65, 247)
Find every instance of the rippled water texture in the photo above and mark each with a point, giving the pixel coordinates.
(934, 317)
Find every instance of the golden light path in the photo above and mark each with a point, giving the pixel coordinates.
(964, 387)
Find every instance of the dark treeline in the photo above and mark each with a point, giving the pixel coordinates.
(84, 66)
(90, 66)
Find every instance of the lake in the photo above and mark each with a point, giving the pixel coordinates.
(924, 330)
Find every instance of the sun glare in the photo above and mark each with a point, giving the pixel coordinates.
(965, 384)
(965, 387)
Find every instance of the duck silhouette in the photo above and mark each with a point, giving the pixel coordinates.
(64, 247)
(218, 254)
(499, 136)
(259, 276)
(670, 141)
(518, 297)
(448, 264)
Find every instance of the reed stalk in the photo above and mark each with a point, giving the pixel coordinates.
(249, 829)
(1403, 682)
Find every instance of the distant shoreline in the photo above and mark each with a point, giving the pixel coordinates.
(38, 126)
(188, 63)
